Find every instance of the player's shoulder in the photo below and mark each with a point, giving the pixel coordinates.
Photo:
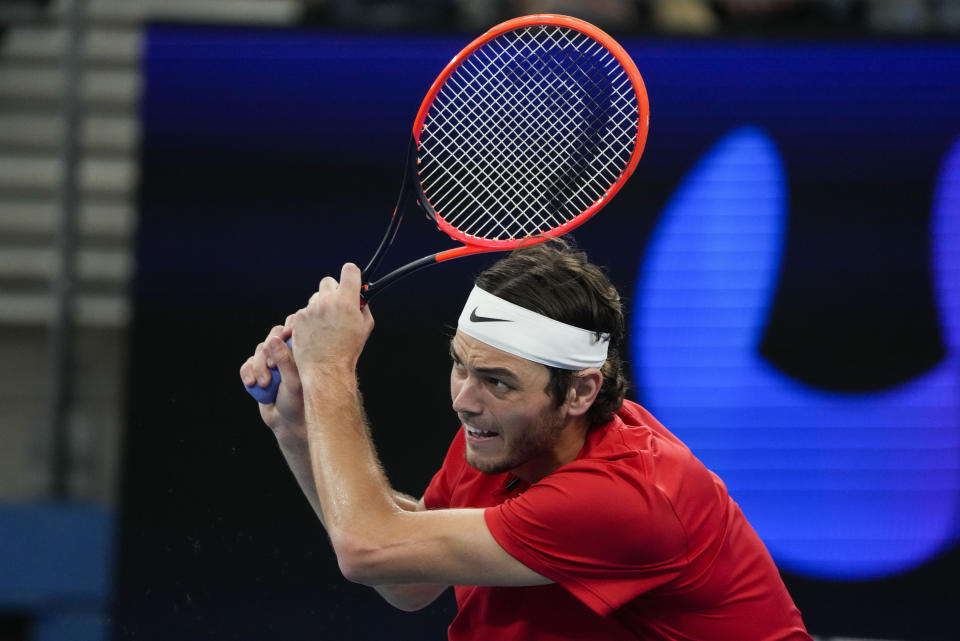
(633, 431)
(635, 447)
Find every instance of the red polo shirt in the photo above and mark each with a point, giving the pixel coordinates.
(641, 540)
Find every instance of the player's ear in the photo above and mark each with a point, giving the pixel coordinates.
(583, 390)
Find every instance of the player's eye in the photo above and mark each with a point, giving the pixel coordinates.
(497, 384)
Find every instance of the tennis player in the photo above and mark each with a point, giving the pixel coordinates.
(561, 511)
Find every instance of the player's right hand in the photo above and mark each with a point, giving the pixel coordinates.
(285, 416)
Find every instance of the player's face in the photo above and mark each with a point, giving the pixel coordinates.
(509, 419)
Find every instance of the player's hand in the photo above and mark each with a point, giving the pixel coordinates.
(285, 416)
(330, 332)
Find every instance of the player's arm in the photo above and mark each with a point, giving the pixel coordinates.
(376, 542)
(285, 419)
(285, 416)
(439, 546)
(410, 596)
(400, 595)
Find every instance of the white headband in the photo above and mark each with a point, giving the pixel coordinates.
(527, 334)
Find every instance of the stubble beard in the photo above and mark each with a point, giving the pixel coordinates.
(525, 445)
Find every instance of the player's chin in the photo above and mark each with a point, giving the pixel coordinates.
(487, 462)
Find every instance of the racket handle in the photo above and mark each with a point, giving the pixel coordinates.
(268, 394)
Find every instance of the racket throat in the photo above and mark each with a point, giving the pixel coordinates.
(398, 212)
(372, 289)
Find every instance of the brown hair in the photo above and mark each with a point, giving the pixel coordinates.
(557, 280)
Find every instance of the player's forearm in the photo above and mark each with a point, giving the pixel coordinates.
(353, 492)
(358, 505)
(297, 455)
(404, 597)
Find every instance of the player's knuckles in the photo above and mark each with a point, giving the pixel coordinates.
(278, 352)
(305, 322)
(262, 373)
(322, 303)
(258, 355)
(260, 364)
(316, 300)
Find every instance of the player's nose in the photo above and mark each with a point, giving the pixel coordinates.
(466, 400)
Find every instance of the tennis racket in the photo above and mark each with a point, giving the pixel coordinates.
(526, 134)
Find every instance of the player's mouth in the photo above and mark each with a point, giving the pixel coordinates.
(477, 435)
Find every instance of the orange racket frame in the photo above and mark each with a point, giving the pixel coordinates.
(471, 244)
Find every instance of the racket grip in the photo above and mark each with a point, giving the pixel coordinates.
(268, 394)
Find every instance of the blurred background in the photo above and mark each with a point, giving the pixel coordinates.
(177, 175)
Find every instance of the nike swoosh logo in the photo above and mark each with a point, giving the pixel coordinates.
(484, 319)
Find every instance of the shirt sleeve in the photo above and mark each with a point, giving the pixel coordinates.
(439, 491)
(597, 529)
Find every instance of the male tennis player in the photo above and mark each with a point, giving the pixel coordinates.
(561, 510)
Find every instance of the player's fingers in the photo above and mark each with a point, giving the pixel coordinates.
(246, 372)
(283, 356)
(300, 323)
(259, 366)
(277, 330)
(350, 281)
(326, 288)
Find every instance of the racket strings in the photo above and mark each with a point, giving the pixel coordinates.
(531, 130)
(512, 157)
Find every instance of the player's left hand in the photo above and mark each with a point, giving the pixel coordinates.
(332, 329)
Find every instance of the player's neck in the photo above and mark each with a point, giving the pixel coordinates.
(566, 449)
